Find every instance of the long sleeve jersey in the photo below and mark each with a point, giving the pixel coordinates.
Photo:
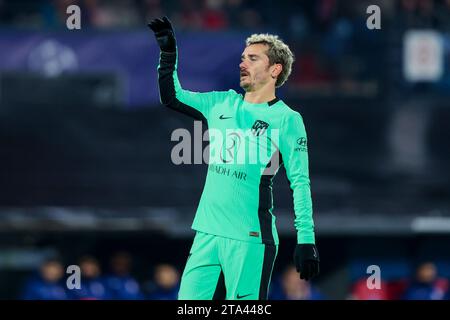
(249, 142)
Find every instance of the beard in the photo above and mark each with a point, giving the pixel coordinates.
(245, 83)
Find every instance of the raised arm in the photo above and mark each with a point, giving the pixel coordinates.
(172, 95)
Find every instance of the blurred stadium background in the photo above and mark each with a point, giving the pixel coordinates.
(85, 170)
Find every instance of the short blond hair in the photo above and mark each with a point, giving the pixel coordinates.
(278, 52)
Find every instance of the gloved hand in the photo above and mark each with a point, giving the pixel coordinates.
(164, 34)
(306, 258)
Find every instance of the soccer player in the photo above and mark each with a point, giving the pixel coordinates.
(236, 241)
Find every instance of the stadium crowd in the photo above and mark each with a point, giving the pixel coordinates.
(50, 282)
(219, 15)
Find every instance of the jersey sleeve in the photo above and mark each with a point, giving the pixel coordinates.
(294, 152)
(172, 95)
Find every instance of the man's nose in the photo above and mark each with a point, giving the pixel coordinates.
(242, 66)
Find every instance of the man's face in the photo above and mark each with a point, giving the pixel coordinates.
(255, 71)
(52, 271)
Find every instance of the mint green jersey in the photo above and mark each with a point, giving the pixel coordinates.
(248, 144)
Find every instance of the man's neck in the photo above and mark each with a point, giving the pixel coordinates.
(260, 96)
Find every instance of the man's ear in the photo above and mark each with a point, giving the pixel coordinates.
(276, 70)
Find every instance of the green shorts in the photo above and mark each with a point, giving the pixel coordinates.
(221, 268)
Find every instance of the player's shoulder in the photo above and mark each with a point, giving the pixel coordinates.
(228, 94)
(233, 94)
(289, 112)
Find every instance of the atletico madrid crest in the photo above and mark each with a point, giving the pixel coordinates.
(259, 127)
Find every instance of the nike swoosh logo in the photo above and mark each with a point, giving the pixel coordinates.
(223, 118)
(245, 295)
(314, 253)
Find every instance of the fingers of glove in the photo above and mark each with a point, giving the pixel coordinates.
(153, 25)
(167, 22)
(162, 26)
(297, 262)
(316, 269)
(303, 271)
(312, 269)
(302, 275)
(156, 25)
(307, 270)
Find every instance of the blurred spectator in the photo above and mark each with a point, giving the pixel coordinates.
(291, 287)
(443, 16)
(116, 14)
(188, 15)
(152, 9)
(407, 13)
(427, 14)
(251, 19)
(427, 285)
(246, 14)
(214, 15)
(294, 18)
(417, 14)
(310, 69)
(94, 13)
(234, 9)
(165, 284)
(48, 284)
(299, 26)
(92, 286)
(325, 13)
(54, 14)
(360, 291)
(120, 283)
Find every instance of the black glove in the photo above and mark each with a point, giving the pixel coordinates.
(164, 34)
(306, 258)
